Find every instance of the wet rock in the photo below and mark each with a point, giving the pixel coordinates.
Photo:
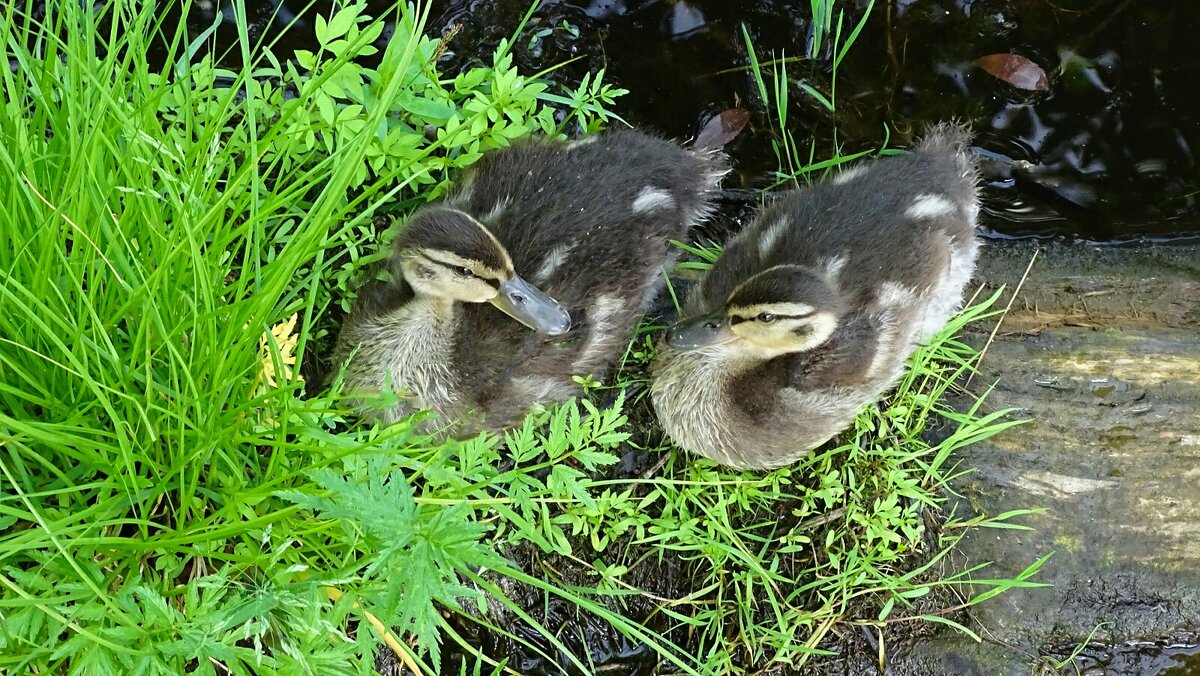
(1101, 352)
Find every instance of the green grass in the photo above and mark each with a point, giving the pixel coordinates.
(157, 227)
(175, 498)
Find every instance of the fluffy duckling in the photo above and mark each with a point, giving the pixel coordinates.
(812, 311)
(567, 238)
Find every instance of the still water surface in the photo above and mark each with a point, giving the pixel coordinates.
(1108, 153)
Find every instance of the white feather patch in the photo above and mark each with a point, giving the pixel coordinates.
(833, 267)
(848, 175)
(554, 260)
(652, 199)
(496, 210)
(582, 142)
(930, 206)
(600, 316)
(462, 197)
(892, 294)
(771, 235)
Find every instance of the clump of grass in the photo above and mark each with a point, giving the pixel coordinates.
(773, 84)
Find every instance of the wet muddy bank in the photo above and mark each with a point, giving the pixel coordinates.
(1101, 353)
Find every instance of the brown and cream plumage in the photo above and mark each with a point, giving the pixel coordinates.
(812, 311)
(584, 228)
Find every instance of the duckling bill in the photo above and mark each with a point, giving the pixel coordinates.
(566, 238)
(448, 256)
(813, 309)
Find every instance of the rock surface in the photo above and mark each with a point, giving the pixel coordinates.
(1101, 351)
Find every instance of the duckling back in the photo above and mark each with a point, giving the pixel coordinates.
(895, 219)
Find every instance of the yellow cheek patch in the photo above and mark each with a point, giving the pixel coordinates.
(781, 335)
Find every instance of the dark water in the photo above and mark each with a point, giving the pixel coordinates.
(1182, 659)
(1112, 144)
(1107, 154)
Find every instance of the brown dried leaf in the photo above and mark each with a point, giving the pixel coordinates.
(1016, 70)
(721, 129)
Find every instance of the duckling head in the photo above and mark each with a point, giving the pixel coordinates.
(783, 309)
(445, 253)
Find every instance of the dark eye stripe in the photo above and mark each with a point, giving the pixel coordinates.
(431, 259)
(739, 320)
(453, 267)
(494, 283)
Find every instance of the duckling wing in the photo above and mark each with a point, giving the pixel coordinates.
(604, 196)
(382, 293)
(847, 359)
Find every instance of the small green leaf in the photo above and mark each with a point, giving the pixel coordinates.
(321, 29)
(341, 23)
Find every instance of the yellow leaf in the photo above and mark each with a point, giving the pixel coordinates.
(285, 338)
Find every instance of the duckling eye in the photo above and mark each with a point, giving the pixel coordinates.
(464, 272)
(765, 317)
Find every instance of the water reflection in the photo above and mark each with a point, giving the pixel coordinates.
(1105, 154)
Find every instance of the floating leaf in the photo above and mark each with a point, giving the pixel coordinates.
(1016, 70)
(721, 129)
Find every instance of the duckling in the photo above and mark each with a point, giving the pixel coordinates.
(567, 238)
(813, 309)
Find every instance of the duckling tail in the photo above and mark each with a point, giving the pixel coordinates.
(951, 141)
(950, 137)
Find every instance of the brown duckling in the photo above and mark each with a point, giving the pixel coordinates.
(568, 238)
(813, 310)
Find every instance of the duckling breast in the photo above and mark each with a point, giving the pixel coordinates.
(690, 397)
(406, 351)
(705, 407)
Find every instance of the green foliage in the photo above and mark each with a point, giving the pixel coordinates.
(410, 125)
(431, 543)
(173, 501)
